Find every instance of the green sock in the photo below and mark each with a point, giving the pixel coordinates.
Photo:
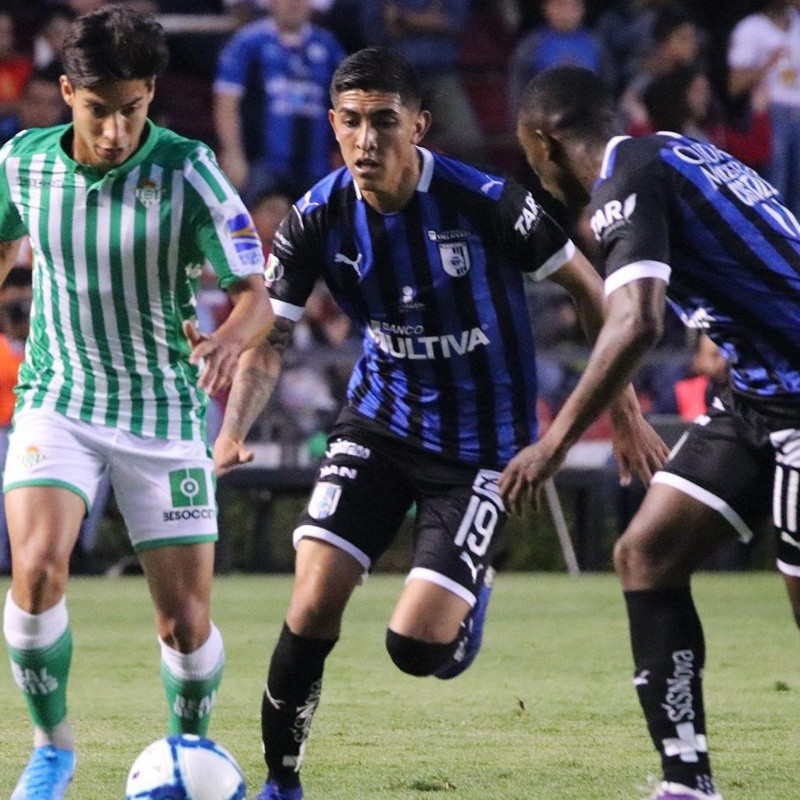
(190, 702)
(42, 675)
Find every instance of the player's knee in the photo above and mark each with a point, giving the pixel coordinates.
(39, 580)
(631, 560)
(185, 627)
(416, 657)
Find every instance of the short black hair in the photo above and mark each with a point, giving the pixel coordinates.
(569, 100)
(113, 44)
(376, 69)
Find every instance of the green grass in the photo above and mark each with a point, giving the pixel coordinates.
(547, 712)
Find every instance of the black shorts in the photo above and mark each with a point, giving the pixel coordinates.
(365, 487)
(745, 464)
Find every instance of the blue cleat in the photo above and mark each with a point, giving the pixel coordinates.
(470, 642)
(272, 791)
(47, 775)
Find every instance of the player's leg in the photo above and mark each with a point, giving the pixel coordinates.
(353, 513)
(665, 542)
(192, 652)
(693, 505)
(165, 492)
(43, 528)
(51, 473)
(325, 577)
(437, 624)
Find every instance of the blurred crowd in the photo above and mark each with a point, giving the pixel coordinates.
(250, 77)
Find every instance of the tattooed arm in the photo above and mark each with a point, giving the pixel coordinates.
(256, 377)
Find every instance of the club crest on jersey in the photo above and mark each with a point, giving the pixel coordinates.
(147, 192)
(245, 239)
(324, 500)
(455, 258)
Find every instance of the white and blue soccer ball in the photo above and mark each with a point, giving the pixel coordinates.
(185, 767)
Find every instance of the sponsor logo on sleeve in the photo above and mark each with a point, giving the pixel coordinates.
(612, 216)
(245, 239)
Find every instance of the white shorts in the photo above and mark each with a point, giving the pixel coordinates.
(165, 490)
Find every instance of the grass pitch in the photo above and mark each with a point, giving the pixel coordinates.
(547, 712)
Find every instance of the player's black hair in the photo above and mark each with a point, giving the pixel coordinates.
(375, 69)
(112, 44)
(569, 100)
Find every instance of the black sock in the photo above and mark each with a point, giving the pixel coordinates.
(669, 656)
(292, 695)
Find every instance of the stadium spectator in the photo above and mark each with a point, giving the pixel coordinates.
(15, 67)
(683, 101)
(287, 63)
(411, 245)
(115, 370)
(49, 40)
(562, 39)
(625, 30)
(40, 106)
(678, 219)
(765, 50)
(428, 34)
(676, 43)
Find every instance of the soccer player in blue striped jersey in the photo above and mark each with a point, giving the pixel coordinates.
(121, 216)
(428, 256)
(678, 221)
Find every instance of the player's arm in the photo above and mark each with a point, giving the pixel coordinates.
(633, 325)
(247, 324)
(228, 127)
(9, 250)
(255, 380)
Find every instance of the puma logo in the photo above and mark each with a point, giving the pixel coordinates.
(341, 258)
(487, 187)
(474, 570)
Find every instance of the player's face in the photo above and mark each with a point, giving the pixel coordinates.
(378, 135)
(547, 159)
(108, 120)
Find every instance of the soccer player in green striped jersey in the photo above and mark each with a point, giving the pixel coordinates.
(122, 215)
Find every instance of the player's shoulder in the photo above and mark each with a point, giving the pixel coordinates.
(448, 173)
(34, 141)
(172, 150)
(322, 194)
(636, 158)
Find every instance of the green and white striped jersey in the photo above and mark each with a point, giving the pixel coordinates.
(117, 258)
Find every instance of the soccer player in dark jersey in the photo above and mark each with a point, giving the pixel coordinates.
(428, 256)
(682, 222)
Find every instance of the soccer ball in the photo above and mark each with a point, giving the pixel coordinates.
(185, 767)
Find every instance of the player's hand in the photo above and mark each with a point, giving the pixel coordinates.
(218, 360)
(638, 449)
(522, 480)
(229, 452)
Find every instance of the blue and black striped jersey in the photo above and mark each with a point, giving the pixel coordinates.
(670, 207)
(448, 361)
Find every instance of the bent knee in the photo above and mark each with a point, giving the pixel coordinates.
(415, 657)
(633, 560)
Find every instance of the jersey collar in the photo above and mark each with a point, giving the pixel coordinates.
(425, 173)
(608, 158)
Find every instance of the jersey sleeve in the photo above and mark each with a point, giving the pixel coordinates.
(11, 225)
(294, 264)
(220, 225)
(234, 64)
(528, 235)
(631, 224)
